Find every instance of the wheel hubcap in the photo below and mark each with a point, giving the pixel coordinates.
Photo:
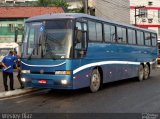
(146, 72)
(95, 81)
(141, 73)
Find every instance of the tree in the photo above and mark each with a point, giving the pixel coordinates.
(61, 3)
(57, 3)
(43, 3)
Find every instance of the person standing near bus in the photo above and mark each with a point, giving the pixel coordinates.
(17, 63)
(7, 63)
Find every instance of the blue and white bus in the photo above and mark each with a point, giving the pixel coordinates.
(72, 51)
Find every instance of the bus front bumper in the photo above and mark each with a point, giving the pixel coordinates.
(47, 81)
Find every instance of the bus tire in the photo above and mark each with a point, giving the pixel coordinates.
(146, 71)
(140, 73)
(95, 81)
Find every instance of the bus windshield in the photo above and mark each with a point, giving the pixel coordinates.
(48, 39)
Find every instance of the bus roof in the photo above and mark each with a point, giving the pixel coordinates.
(79, 15)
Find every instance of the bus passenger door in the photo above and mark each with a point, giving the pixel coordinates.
(80, 42)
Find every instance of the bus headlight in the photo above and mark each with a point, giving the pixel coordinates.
(64, 82)
(62, 72)
(25, 71)
(23, 79)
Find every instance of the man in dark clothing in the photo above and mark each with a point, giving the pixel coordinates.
(7, 63)
(17, 64)
(19, 74)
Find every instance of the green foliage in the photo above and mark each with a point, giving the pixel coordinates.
(44, 3)
(57, 3)
(80, 10)
(61, 3)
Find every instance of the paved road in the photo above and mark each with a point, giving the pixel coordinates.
(127, 96)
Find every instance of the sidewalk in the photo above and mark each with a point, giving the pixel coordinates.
(17, 91)
(16, 82)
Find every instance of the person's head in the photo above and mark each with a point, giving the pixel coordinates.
(15, 52)
(11, 52)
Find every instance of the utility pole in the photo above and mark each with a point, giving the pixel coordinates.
(135, 10)
(85, 5)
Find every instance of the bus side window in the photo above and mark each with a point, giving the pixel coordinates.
(84, 44)
(140, 38)
(131, 36)
(113, 34)
(121, 35)
(154, 41)
(147, 39)
(109, 33)
(80, 39)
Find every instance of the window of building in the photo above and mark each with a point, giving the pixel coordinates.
(131, 36)
(140, 38)
(1, 25)
(158, 13)
(121, 35)
(158, 31)
(11, 27)
(143, 13)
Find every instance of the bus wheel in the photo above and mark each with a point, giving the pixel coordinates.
(95, 81)
(140, 72)
(146, 71)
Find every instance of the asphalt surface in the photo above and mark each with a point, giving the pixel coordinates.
(126, 96)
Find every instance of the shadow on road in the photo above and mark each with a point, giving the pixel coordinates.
(85, 91)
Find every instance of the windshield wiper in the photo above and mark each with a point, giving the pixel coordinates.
(29, 57)
(50, 53)
(47, 45)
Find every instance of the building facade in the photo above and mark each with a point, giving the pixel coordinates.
(12, 18)
(147, 14)
(117, 10)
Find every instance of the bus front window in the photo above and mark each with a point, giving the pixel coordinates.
(49, 39)
(31, 39)
(57, 39)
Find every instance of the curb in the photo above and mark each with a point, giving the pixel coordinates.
(158, 66)
(16, 92)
